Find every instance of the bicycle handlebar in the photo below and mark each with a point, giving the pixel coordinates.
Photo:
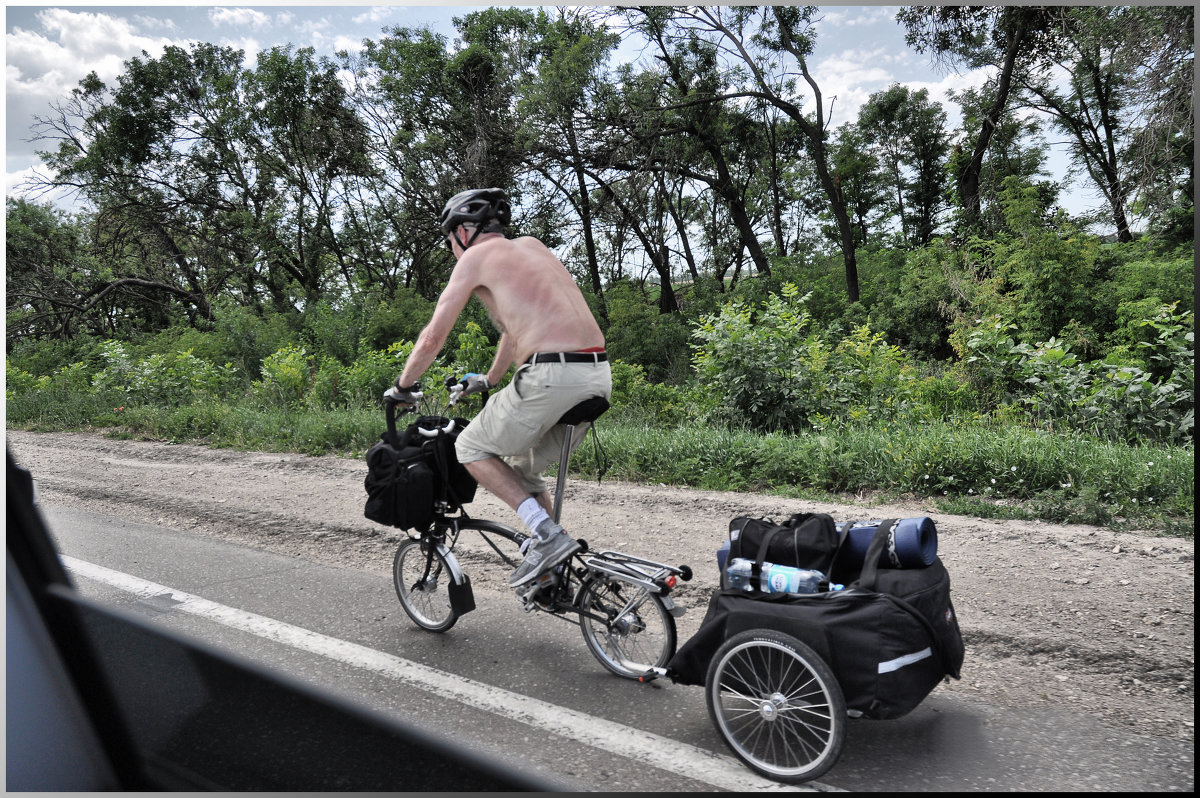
(389, 409)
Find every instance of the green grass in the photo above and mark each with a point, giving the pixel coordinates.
(978, 469)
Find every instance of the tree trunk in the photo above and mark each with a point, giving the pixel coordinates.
(585, 217)
(968, 181)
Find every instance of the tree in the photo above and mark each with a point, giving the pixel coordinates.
(128, 151)
(907, 130)
(304, 141)
(770, 47)
(696, 86)
(404, 92)
(554, 104)
(1003, 37)
(228, 175)
(1016, 150)
(861, 181)
(1113, 57)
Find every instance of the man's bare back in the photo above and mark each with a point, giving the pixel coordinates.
(530, 295)
(532, 299)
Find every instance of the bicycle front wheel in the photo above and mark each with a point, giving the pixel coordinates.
(422, 581)
(627, 628)
(777, 705)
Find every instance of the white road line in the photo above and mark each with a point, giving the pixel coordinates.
(642, 746)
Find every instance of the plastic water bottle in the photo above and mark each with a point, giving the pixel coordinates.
(776, 578)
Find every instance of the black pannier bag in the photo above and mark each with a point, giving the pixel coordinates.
(889, 637)
(408, 472)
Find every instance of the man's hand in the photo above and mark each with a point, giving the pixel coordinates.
(404, 396)
(469, 384)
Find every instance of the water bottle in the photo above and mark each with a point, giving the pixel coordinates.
(776, 578)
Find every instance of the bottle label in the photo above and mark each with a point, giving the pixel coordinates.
(782, 581)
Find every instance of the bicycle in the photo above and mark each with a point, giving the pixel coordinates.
(622, 603)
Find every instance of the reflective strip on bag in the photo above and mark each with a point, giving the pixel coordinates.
(908, 659)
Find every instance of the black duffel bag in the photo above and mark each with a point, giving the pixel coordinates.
(804, 540)
(889, 637)
(408, 472)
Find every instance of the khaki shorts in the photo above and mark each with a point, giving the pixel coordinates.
(519, 424)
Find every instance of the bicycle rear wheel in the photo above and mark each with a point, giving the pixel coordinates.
(777, 705)
(633, 630)
(422, 581)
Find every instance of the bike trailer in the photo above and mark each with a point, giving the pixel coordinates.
(889, 636)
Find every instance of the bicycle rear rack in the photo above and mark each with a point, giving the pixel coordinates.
(647, 574)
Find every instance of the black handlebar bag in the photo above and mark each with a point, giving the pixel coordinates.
(889, 637)
(408, 472)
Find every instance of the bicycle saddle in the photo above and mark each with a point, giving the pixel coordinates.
(587, 410)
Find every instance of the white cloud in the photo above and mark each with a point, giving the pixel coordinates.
(852, 76)
(238, 17)
(855, 16)
(249, 46)
(46, 59)
(155, 22)
(373, 15)
(16, 185)
(351, 44)
(70, 44)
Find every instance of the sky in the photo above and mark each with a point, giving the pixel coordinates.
(49, 49)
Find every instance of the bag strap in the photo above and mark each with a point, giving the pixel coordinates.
(935, 641)
(867, 577)
(842, 536)
(440, 446)
(794, 524)
(756, 569)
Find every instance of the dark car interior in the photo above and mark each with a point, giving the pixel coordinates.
(99, 699)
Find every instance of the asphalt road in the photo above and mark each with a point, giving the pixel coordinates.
(525, 687)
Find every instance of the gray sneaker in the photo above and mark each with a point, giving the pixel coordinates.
(542, 556)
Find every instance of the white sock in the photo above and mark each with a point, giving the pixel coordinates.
(532, 513)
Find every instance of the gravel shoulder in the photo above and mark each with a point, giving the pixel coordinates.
(1054, 616)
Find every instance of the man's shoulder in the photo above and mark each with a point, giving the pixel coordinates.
(524, 243)
(504, 248)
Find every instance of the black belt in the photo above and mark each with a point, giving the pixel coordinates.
(568, 357)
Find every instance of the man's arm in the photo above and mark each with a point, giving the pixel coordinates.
(431, 340)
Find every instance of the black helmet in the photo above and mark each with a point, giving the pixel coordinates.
(476, 206)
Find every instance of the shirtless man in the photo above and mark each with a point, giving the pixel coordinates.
(548, 332)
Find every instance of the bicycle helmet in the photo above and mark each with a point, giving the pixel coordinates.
(485, 208)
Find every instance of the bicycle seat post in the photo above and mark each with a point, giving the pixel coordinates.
(586, 411)
(563, 459)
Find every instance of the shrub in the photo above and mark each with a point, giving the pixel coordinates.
(246, 338)
(372, 373)
(638, 333)
(764, 363)
(400, 319)
(285, 378)
(18, 382)
(1112, 400)
(167, 379)
(634, 396)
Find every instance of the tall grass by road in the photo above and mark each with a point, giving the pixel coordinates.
(971, 468)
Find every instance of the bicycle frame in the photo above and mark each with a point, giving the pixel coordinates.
(621, 602)
(648, 575)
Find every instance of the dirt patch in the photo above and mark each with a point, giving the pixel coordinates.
(1054, 616)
